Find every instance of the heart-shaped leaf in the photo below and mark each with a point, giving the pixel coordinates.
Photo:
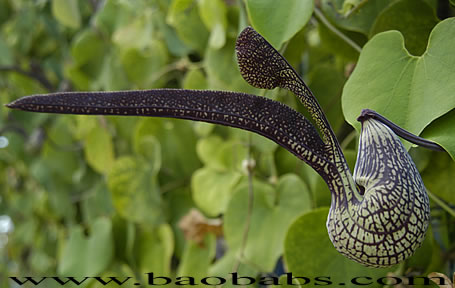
(410, 91)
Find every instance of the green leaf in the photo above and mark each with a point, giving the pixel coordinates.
(413, 18)
(196, 259)
(308, 251)
(212, 190)
(99, 149)
(273, 210)
(6, 52)
(286, 20)
(143, 67)
(410, 91)
(87, 46)
(149, 148)
(170, 132)
(221, 155)
(194, 79)
(67, 12)
(438, 131)
(81, 255)
(98, 203)
(214, 15)
(114, 14)
(138, 33)
(154, 249)
(183, 16)
(359, 20)
(439, 176)
(112, 76)
(135, 192)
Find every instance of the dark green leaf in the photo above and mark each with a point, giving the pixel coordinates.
(413, 18)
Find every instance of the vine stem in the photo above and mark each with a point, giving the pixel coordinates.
(348, 139)
(320, 16)
(441, 203)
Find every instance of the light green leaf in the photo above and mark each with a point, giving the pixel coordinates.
(273, 210)
(87, 46)
(212, 190)
(81, 255)
(196, 259)
(214, 15)
(170, 132)
(114, 14)
(183, 16)
(134, 188)
(98, 203)
(288, 17)
(155, 248)
(112, 76)
(149, 148)
(99, 149)
(143, 67)
(413, 18)
(194, 79)
(88, 51)
(67, 12)
(138, 33)
(439, 132)
(220, 154)
(308, 251)
(410, 91)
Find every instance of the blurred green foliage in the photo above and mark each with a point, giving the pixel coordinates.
(104, 196)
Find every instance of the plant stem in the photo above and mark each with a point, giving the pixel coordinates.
(348, 139)
(320, 16)
(441, 203)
